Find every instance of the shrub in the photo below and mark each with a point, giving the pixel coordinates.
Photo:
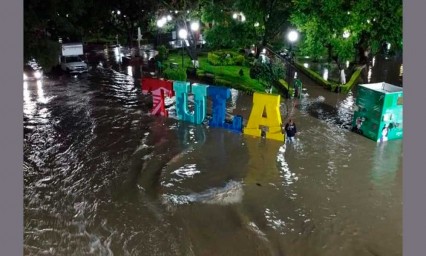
(163, 53)
(213, 59)
(178, 74)
(225, 58)
(238, 59)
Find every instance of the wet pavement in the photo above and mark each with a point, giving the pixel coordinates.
(103, 177)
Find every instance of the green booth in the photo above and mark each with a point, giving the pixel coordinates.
(378, 111)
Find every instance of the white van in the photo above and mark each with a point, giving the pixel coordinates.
(70, 59)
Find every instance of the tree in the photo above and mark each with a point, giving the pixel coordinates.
(367, 24)
(44, 22)
(272, 17)
(183, 12)
(267, 72)
(225, 31)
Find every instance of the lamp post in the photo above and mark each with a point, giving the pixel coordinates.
(292, 37)
(160, 23)
(195, 27)
(183, 35)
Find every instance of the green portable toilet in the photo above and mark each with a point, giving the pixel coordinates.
(378, 111)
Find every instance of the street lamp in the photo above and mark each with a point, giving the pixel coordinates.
(195, 26)
(160, 23)
(183, 35)
(346, 34)
(292, 37)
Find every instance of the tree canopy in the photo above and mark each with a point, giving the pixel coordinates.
(344, 29)
(367, 24)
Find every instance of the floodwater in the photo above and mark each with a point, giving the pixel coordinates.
(103, 177)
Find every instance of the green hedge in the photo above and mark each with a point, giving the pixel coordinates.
(331, 85)
(178, 74)
(354, 78)
(316, 77)
(219, 58)
(213, 59)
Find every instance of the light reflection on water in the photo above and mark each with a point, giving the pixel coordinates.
(102, 176)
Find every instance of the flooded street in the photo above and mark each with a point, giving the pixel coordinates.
(104, 177)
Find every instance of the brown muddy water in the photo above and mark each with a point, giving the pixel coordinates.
(103, 177)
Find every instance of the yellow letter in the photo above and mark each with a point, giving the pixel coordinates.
(265, 112)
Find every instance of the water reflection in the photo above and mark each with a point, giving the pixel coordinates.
(40, 92)
(386, 163)
(130, 70)
(117, 55)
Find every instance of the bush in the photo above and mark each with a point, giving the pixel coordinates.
(225, 58)
(214, 59)
(238, 59)
(163, 53)
(178, 74)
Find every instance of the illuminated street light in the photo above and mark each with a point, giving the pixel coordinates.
(183, 35)
(346, 34)
(118, 12)
(195, 26)
(160, 23)
(292, 36)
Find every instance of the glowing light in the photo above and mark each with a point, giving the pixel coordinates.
(117, 55)
(40, 92)
(325, 74)
(256, 24)
(195, 26)
(169, 17)
(160, 23)
(388, 46)
(306, 65)
(118, 12)
(370, 71)
(293, 36)
(38, 74)
(183, 33)
(346, 34)
(235, 15)
(347, 63)
(263, 50)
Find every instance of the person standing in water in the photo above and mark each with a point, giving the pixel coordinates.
(290, 129)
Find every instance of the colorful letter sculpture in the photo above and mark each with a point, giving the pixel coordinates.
(182, 89)
(268, 104)
(219, 95)
(265, 111)
(158, 88)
